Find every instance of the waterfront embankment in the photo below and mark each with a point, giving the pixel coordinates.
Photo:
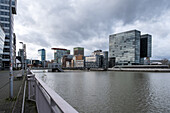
(140, 69)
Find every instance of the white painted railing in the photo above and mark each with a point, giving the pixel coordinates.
(47, 100)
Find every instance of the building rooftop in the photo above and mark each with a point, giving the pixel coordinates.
(125, 32)
(58, 49)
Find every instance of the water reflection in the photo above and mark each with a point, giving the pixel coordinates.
(110, 92)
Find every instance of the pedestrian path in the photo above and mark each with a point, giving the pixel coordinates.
(6, 104)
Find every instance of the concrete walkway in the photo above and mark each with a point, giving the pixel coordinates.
(6, 105)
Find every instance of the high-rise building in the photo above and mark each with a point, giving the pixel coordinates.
(125, 47)
(58, 54)
(129, 48)
(145, 48)
(2, 39)
(41, 55)
(79, 51)
(25, 53)
(7, 22)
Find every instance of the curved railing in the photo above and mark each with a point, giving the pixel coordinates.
(47, 100)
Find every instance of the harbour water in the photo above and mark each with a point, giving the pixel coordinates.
(112, 92)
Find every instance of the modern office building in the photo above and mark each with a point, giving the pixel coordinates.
(7, 22)
(79, 51)
(2, 39)
(25, 53)
(93, 61)
(105, 60)
(127, 48)
(66, 60)
(78, 61)
(58, 54)
(145, 48)
(41, 55)
(98, 59)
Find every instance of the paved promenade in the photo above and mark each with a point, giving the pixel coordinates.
(6, 105)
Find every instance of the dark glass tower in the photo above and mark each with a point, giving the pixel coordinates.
(41, 54)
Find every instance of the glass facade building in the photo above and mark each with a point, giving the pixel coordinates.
(125, 47)
(41, 55)
(129, 48)
(58, 54)
(7, 23)
(98, 59)
(2, 39)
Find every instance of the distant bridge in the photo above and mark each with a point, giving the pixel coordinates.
(51, 67)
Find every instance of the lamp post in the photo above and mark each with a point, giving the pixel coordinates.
(11, 53)
(22, 57)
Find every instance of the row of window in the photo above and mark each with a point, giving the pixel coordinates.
(4, 1)
(6, 56)
(5, 25)
(4, 13)
(7, 43)
(4, 7)
(6, 50)
(6, 30)
(4, 19)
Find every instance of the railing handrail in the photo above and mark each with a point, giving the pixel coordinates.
(59, 101)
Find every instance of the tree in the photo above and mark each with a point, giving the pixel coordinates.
(165, 61)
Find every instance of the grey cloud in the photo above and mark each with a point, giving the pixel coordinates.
(35, 38)
(71, 22)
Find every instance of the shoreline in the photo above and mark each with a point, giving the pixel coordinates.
(139, 69)
(167, 70)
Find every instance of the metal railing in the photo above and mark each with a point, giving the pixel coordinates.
(47, 100)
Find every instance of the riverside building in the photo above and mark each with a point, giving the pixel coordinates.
(127, 48)
(79, 51)
(7, 23)
(41, 55)
(145, 48)
(2, 39)
(59, 53)
(98, 59)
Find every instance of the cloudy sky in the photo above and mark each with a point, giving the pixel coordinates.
(88, 23)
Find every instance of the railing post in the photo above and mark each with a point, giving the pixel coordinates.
(54, 108)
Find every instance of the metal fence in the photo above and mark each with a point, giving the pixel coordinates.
(47, 100)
